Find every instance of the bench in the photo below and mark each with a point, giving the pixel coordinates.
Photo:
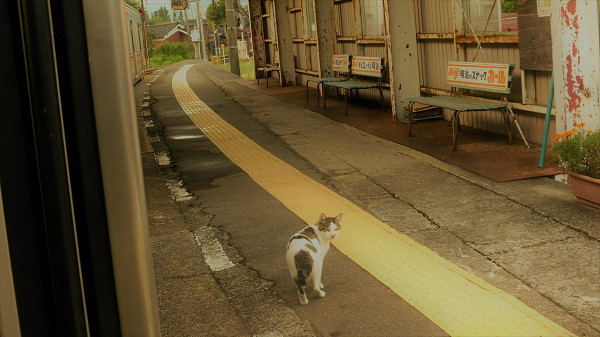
(491, 77)
(340, 65)
(266, 71)
(361, 66)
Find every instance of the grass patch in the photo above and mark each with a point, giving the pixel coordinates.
(170, 53)
(246, 69)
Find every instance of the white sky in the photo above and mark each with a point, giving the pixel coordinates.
(154, 5)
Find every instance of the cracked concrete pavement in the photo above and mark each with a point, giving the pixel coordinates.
(527, 237)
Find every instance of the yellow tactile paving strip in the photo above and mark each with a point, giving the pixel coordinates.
(458, 302)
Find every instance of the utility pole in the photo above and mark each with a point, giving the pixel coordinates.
(200, 25)
(187, 28)
(232, 37)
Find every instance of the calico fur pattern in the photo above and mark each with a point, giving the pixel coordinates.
(306, 251)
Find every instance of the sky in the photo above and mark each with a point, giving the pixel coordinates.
(154, 5)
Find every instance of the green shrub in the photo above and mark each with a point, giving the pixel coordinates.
(171, 49)
(578, 151)
(171, 53)
(161, 60)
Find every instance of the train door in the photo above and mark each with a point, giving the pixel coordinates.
(75, 257)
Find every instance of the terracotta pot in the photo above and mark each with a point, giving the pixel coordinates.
(586, 189)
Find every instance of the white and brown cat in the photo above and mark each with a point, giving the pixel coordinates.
(306, 252)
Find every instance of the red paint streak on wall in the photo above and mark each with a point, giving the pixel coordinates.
(565, 16)
(574, 83)
(572, 6)
(573, 99)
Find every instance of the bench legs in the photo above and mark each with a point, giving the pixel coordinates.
(455, 128)
(319, 84)
(307, 91)
(410, 117)
(346, 94)
(507, 122)
(346, 106)
(266, 75)
(381, 95)
(319, 92)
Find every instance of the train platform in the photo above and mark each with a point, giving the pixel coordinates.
(475, 254)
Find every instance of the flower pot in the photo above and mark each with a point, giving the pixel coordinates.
(586, 189)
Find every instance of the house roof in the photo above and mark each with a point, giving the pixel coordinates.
(165, 30)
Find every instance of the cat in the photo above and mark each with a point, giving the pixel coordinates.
(306, 251)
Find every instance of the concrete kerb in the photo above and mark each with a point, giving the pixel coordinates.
(559, 221)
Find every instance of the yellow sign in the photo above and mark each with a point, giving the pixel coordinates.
(477, 75)
(179, 4)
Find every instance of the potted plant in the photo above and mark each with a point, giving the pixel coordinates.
(578, 152)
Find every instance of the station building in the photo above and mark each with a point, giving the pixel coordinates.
(417, 39)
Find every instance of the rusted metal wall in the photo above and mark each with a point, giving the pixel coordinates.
(435, 38)
(306, 58)
(349, 41)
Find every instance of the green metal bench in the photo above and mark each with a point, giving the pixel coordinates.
(341, 65)
(492, 77)
(362, 66)
(266, 71)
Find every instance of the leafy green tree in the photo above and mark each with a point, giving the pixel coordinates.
(509, 6)
(160, 16)
(217, 16)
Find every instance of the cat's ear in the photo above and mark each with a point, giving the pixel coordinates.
(322, 217)
(338, 218)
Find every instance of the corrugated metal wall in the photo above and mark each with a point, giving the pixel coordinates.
(436, 48)
(306, 59)
(435, 28)
(348, 41)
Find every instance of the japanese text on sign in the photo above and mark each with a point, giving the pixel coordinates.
(478, 74)
(366, 65)
(340, 62)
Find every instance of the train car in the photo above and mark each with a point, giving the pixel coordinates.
(135, 33)
(75, 253)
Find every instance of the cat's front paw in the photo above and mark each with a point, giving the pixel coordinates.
(319, 292)
(322, 286)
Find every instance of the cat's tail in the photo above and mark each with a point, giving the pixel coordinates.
(304, 264)
(302, 277)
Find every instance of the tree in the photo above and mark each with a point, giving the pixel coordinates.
(134, 3)
(160, 16)
(509, 6)
(216, 17)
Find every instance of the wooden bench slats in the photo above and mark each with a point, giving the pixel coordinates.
(492, 77)
(340, 64)
(458, 103)
(368, 66)
(353, 85)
